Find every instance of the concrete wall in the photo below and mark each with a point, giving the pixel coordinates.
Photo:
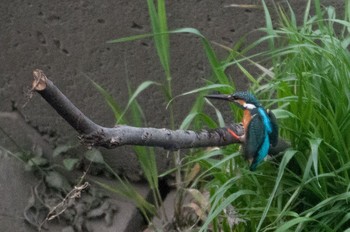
(67, 39)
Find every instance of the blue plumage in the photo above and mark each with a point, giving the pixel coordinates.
(264, 148)
(266, 120)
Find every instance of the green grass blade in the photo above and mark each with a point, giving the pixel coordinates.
(215, 64)
(164, 39)
(143, 86)
(218, 114)
(159, 28)
(221, 87)
(247, 74)
(146, 157)
(281, 170)
(131, 38)
(307, 12)
(269, 26)
(188, 120)
(314, 144)
(111, 103)
(223, 205)
(295, 221)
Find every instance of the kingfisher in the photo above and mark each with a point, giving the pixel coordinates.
(260, 127)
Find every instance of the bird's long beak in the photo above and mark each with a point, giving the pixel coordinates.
(219, 96)
(226, 97)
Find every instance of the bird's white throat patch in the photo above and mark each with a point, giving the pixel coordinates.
(249, 106)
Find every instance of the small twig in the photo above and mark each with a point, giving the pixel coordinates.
(74, 193)
(63, 205)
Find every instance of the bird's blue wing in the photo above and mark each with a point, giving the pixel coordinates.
(274, 133)
(254, 137)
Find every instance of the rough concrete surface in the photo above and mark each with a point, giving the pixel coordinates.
(67, 40)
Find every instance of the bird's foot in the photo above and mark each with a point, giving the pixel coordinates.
(234, 135)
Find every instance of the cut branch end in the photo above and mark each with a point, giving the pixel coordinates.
(40, 80)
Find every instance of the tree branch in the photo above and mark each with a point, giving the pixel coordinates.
(92, 134)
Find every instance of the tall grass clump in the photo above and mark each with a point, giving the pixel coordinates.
(306, 189)
(312, 83)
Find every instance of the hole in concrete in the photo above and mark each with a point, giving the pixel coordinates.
(233, 30)
(53, 18)
(136, 26)
(13, 105)
(65, 51)
(248, 10)
(227, 39)
(200, 66)
(41, 38)
(57, 43)
(163, 188)
(101, 21)
(208, 18)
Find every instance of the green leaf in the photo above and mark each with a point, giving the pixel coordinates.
(61, 149)
(38, 161)
(70, 163)
(57, 181)
(95, 156)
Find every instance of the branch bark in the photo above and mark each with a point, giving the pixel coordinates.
(93, 134)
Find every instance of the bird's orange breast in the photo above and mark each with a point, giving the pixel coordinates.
(246, 119)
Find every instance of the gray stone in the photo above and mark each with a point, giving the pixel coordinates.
(15, 191)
